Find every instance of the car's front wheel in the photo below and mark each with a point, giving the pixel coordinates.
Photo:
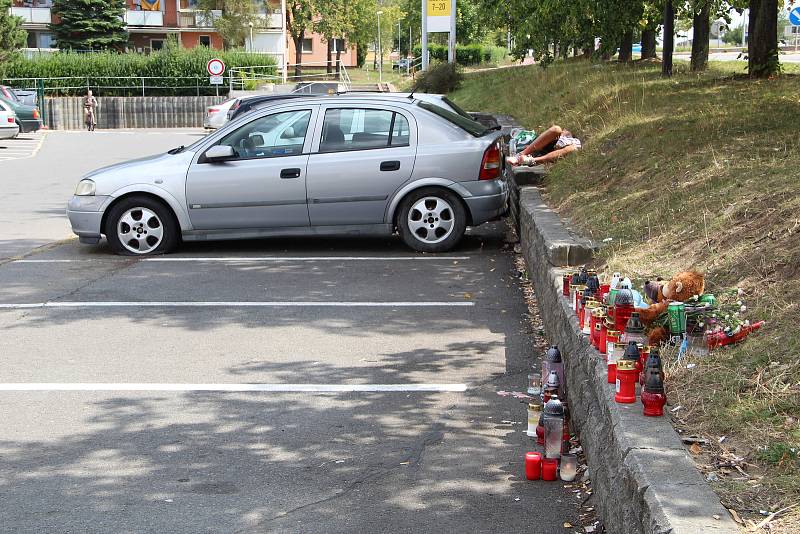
(431, 220)
(141, 226)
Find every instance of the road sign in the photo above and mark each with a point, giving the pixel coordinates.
(439, 12)
(215, 67)
(794, 17)
(216, 80)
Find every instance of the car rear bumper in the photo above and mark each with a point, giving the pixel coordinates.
(85, 215)
(30, 125)
(487, 207)
(9, 132)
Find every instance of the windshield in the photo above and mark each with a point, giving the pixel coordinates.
(473, 128)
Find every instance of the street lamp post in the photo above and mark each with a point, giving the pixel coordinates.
(251, 35)
(380, 49)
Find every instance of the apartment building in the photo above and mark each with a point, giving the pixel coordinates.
(151, 22)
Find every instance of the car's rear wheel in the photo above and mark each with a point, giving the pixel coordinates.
(431, 220)
(141, 226)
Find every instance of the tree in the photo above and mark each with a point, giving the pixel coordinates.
(733, 36)
(335, 20)
(702, 31)
(237, 16)
(299, 19)
(669, 39)
(89, 24)
(12, 36)
(762, 45)
(651, 22)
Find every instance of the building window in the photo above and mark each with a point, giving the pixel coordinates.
(308, 46)
(156, 44)
(205, 40)
(338, 45)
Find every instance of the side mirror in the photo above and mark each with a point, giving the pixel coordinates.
(220, 153)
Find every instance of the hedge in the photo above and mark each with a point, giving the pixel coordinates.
(471, 54)
(166, 72)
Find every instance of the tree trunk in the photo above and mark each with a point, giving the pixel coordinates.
(338, 64)
(648, 44)
(375, 57)
(298, 54)
(626, 47)
(669, 39)
(329, 63)
(588, 49)
(702, 29)
(762, 44)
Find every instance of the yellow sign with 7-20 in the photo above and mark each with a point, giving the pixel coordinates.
(438, 8)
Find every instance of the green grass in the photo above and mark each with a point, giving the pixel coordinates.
(698, 171)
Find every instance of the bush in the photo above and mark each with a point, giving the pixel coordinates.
(471, 54)
(441, 79)
(168, 72)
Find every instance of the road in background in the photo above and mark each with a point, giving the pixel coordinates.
(36, 189)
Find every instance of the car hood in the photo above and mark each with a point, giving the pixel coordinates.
(142, 170)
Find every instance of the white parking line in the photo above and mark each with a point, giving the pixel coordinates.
(230, 304)
(251, 259)
(15, 149)
(274, 388)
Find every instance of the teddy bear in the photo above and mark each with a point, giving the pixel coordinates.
(682, 287)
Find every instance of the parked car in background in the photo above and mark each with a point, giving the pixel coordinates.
(245, 104)
(217, 116)
(27, 97)
(345, 165)
(28, 117)
(401, 64)
(8, 122)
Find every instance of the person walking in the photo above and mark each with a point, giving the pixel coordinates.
(90, 110)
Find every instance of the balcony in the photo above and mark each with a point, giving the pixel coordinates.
(32, 15)
(144, 18)
(198, 19)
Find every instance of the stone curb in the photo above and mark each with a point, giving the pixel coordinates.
(642, 477)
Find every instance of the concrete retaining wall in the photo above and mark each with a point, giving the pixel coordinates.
(66, 113)
(642, 477)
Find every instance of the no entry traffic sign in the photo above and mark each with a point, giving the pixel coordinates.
(215, 67)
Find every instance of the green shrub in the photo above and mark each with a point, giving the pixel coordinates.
(471, 54)
(442, 78)
(172, 71)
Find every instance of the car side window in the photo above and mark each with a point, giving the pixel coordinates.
(270, 136)
(400, 131)
(346, 129)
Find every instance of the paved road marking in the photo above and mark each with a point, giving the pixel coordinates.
(257, 259)
(24, 147)
(230, 304)
(277, 388)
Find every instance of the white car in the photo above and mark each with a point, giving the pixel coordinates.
(217, 116)
(8, 122)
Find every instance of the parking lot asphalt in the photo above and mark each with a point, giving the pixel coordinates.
(318, 385)
(36, 187)
(26, 145)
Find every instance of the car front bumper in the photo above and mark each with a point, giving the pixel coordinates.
(489, 200)
(85, 215)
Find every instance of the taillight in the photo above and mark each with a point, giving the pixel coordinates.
(212, 110)
(492, 164)
(11, 120)
(35, 113)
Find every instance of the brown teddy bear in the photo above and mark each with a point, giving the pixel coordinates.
(681, 288)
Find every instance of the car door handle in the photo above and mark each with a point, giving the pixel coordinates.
(290, 173)
(390, 165)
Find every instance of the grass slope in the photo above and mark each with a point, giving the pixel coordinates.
(697, 171)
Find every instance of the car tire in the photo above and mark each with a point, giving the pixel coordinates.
(141, 226)
(431, 219)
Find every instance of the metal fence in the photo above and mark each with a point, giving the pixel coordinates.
(118, 85)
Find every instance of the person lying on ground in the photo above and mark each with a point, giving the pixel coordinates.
(552, 144)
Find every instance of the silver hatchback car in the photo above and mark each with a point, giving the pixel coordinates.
(331, 166)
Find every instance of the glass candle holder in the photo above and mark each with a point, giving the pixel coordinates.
(569, 467)
(534, 384)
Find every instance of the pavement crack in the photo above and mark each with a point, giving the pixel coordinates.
(121, 266)
(435, 436)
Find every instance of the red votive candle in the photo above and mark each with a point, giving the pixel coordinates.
(549, 468)
(533, 465)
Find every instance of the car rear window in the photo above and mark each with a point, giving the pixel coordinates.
(470, 126)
